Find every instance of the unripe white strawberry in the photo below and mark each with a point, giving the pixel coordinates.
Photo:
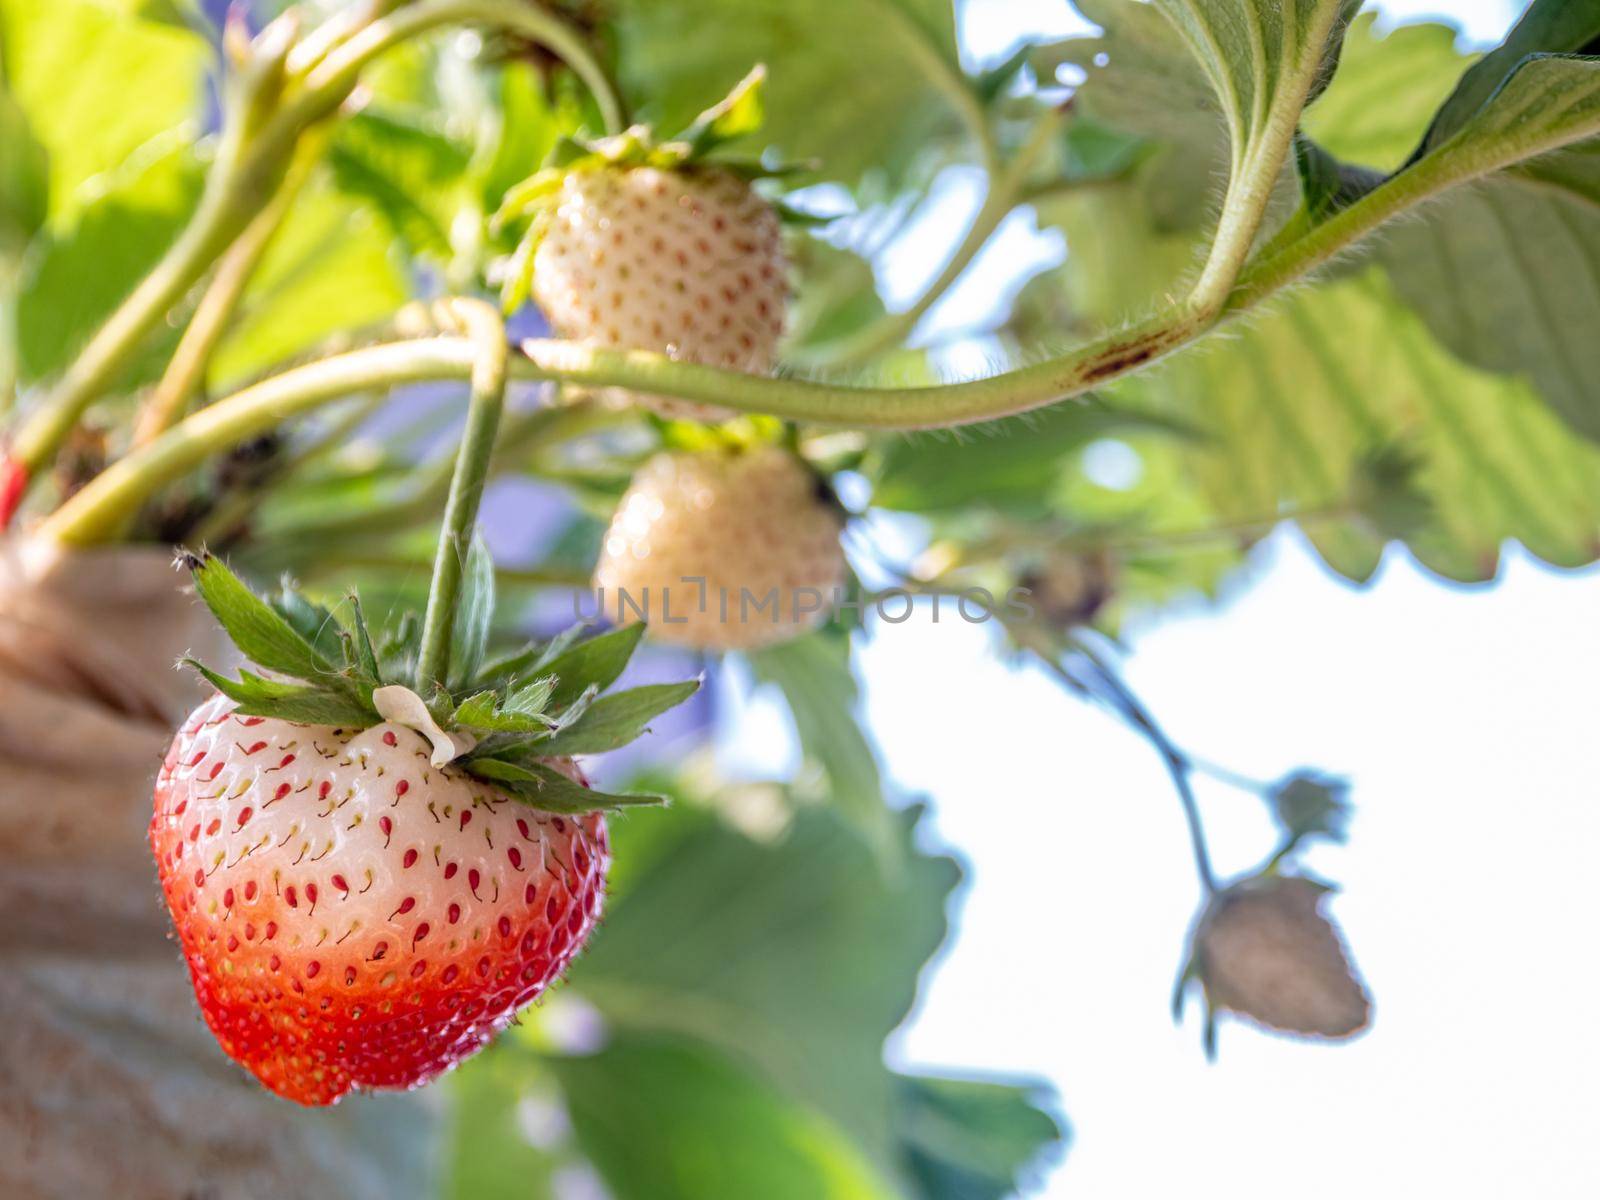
(688, 263)
(755, 525)
(1264, 950)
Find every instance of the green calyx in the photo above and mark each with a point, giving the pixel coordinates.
(508, 714)
(697, 148)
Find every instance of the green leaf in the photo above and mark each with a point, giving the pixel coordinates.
(311, 621)
(522, 712)
(796, 956)
(474, 613)
(1297, 416)
(366, 656)
(548, 789)
(329, 269)
(83, 270)
(1263, 58)
(970, 1139)
(862, 86)
(24, 179)
(488, 1153)
(617, 719)
(740, 112)
(409, 173)
(98, 87)
(1387, 89)
(716, 1128)
(813, 673)
(313, 705)
(1548, 26)
(260, 633)
(597, 661)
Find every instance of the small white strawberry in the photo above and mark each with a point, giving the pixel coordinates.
(645, 244)
(729, 549)
(686, 262)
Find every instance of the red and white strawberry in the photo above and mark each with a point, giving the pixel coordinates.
(367, 885)
(352, 916)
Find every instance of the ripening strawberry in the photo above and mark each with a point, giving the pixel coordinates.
(687, 262)
(727, 549)
(351, 915)
(367, 888)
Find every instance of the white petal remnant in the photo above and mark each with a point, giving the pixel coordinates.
(404, 707)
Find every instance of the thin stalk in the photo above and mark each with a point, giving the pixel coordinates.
(947, 77)
(186, 370)
(1176, 762)
(483, 326)
(1005, 192)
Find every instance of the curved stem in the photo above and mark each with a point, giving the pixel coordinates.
(186, 369)
(1005, 192)
(336, 74)
(1177, 764)
(483, 326)
(100, 511)
(930, 406)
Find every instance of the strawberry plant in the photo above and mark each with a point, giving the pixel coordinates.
(303, 287)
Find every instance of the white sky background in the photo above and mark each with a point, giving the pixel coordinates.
(1467, 720)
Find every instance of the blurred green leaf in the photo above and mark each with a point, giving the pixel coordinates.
(97, 84)
(490, 1156)
(813, 674)
(85, 269)
(1012, 465)
(665, 1118)
(410, 173)
(1547, 27)
(331, 267)
(1388, 86)
(795, 958)
(859, 85)
(24, 180)
(838, 295)
(968, 1139)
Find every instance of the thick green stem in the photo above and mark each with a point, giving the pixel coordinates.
(483, 326)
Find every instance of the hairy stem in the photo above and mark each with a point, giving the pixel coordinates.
(482, 324)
